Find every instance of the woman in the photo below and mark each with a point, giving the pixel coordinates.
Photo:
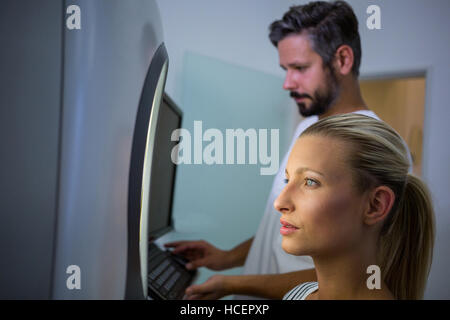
(350, 204)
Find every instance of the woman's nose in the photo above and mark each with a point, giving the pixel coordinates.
(283, 202)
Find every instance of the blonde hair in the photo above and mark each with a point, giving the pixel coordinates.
(378, 156)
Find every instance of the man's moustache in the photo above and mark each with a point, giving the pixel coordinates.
(297, 95)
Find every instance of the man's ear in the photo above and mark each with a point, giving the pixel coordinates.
(344, 60)
(381, 200)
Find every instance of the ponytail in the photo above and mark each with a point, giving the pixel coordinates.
(407, 242)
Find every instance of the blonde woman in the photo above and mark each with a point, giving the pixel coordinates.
(350, 203)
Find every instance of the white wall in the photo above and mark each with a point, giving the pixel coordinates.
(414, 37)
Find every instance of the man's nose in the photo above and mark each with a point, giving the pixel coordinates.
(289, 83)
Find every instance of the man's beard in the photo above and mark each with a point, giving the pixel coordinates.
(321, 100)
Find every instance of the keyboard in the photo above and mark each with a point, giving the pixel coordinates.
(167, 276)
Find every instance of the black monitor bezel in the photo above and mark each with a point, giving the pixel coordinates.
(134, 286)
(158, 233)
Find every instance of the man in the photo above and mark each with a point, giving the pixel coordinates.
(320, 49)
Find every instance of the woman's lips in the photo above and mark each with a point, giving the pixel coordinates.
(287, 228)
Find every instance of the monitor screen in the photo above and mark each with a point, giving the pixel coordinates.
(162, 181)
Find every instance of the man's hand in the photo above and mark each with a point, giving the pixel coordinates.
(214, 288)
(269, 286)
(201, 254)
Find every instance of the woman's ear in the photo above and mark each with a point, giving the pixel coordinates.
(381, 200)
(344, 60)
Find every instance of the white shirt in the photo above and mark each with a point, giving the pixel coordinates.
(266, 255)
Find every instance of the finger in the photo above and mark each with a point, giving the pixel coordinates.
(206, 296)
(175, 243)
(189, 246)
(182, 242)
(181, 248)
(194, 264)
(209, 296)
(194, 297)
(197, 289)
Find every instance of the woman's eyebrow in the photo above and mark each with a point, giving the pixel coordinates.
(303, 169)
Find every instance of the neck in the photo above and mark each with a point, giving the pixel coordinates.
(344, 276)
(348, 100)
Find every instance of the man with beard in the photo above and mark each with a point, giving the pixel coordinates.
(320, 50)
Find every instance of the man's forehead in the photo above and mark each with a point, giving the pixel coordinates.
(295, 49)
(299, 40)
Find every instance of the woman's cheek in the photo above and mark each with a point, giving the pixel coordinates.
(327, 217)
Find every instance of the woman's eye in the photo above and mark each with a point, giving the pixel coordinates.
(286, 181)
(311, 182)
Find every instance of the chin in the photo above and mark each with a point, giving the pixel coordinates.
(292, 248)
(302, 109)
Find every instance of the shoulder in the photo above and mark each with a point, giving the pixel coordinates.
(304, 124)
(301, 291)
(368, 113)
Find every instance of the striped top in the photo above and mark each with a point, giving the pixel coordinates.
(301, 291)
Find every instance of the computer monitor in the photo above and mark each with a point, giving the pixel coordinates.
(163, 171)
(152, 178)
